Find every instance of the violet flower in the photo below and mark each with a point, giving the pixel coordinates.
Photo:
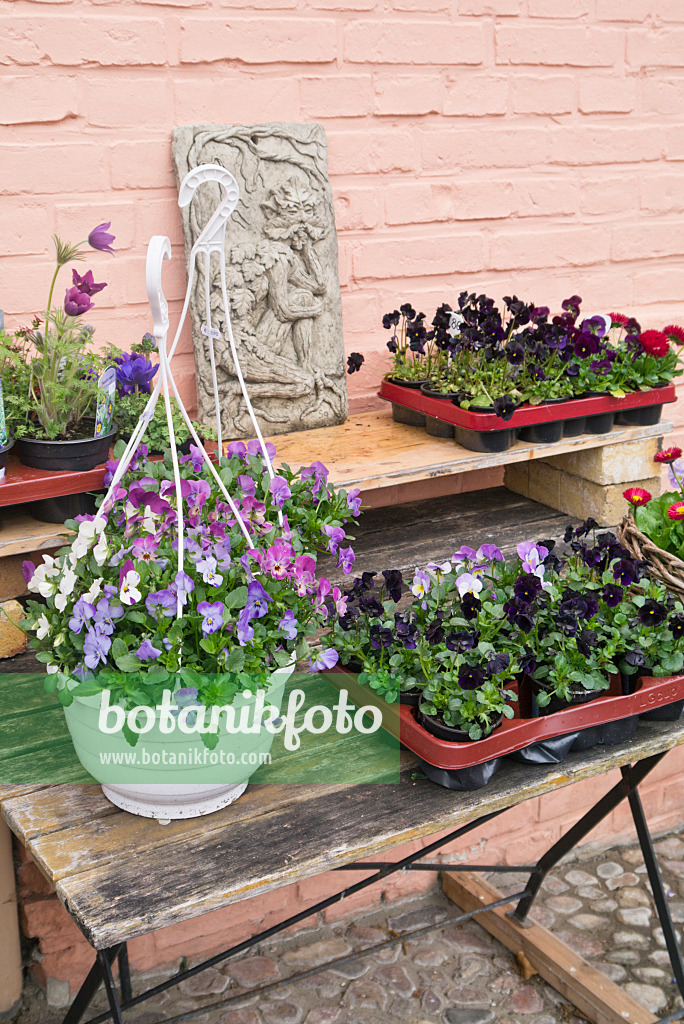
(212, 616)
(182, 586)
(105, 614)
(163, 599)
(133, 372)
(278, 560)
(335, 536)
(257, 601)
(247, 485)
(100, 239)
(325, 660)
(96, 647)
(80, 614)
(320, 476)
(195, 457)
(345, 560)
(464, 554)
(27, 570)
(280, 490)
(207, 567)
(244, 631)
(236, 448)
(303, 574)
(254, 448)
(354, 501)
(288, 625)
(147, 651)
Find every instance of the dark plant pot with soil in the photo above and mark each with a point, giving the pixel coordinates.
(431, 393)
(411, 697)
(413, 385)
(556, 704)
(402, 414)
(437, 727)
(78, 456)
(457, 779)
(666, 712)
(5, 453)
(63, 507)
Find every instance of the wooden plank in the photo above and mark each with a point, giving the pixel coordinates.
(595, 996)
(22, 533)
(217, 864)
(371, 451)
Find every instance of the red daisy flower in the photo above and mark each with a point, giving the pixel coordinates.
(637, 496)
(668, 455)
(674, 333)
(619, 318)
(655, 343)
(676, 511)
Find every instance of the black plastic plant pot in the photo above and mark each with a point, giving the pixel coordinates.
(5, 453)
(579, 697)
(77, 456)
(436, 727)
(411, 697)
(402, 414)
(607, 734)
(667, 713)
(575, 427)
(542, 433)
(461, 779)
(66, 506)
(602, 423)
(446, 395)
(646, 416)
(413, 385)
(438, 428)
(485, 440)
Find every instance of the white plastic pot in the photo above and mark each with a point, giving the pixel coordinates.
(170, 776)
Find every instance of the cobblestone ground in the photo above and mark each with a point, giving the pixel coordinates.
(598, 903)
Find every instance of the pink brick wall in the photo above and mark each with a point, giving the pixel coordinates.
(529, 146)
(532, 146)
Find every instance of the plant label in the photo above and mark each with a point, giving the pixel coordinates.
(455, 321)
(106, 392)
(210, 332)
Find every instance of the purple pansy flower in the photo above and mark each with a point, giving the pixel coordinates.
(257, 601)
(288, 625)
(96, 647)
(336, 535)
(81, 613)
(207, 567)
(325, 660)
(464, 554)
(320, 476)
(236, 448)
(354, 501)
(244, 631)
(147, 651)
(246, 485)
(105, 616)
(490, 552)
(254, 448)
(164, 599)
(27, 570)
(345, 560)
(280, 490)
(195, 457)
(182, 586)
(212, 615)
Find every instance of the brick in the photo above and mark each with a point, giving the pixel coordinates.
(407, 94)
(48, 920)
(74, 221)
(481, 199)
(112, 100)
(669, 10)
(545, 196)
(357, 209)
(258, 40)
(543, 94)
(598, 95)
(171, 3)
(419, 257)
(674, 143)
(656, 48)
(557, 8)
(664, 284)
(648, 241)
(99, 40)
(623, 10)
(589, 145)
(486, 8)
(443, 150)
(374, 151)
(581, 498)
(556, 45)
(413, 42)
(336, 96)
(430, 6)
(612, 463)
(159, 217)
(342, 5)
(235, 98)
(557, 247)
(27, 169)
(418, 202)
(25, 227)
(476, 95)
(23, 100)
(604, 195)
(141, 164)
(662, 95)
(662, 193)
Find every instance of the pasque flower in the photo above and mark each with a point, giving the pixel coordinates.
(85, 283)
(76, 302)
(99, 238)
(133, 372)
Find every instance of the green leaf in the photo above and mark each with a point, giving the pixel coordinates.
(89, 688)
(128, 662)
(236, 660)
(130, 736)
(64, 697)
(51, 682)
(226, 476)
(210, 739)
(119, 649)
(282, 658)
(236, 598)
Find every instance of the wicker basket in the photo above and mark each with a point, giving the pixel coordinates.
(664, 566)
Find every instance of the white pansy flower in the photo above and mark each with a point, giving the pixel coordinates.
(68, 581)
(61, 601)
(129, 593)
(42, 628)
(51, 669)
(438, 570)
(101, 550)
(468, 584)
(43, 581)
(94, 591)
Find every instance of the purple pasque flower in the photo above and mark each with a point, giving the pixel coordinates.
(105, 615)
(147, 651)
(86, 285)
(76, 303)
(133, 372)
(490, 553)
(257, 601)
(207, 567)
(319, 473)
(288, 625)
(96, 647)
(345, 560)
(280, 490)
(247, 485)
(182, 586)
(254, 448)
(100, 239)
(81, 613)
(324, 660)
(212, 616)
(304, 574)
(277, 561)
(195, 457)
(163, 599)
(464, 554)
(354, 501)
(335, 535)
(244, 631)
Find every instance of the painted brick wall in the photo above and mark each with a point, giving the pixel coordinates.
(528, 146)
(533, 146)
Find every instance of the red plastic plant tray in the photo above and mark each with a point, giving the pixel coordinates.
(527, 415)
(24, 484)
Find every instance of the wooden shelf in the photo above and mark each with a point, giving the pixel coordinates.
(21, 533)
(23, 484)
(371, 451)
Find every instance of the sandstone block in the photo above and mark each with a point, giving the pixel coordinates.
(12, 640)
(581, 498)
(612, 463)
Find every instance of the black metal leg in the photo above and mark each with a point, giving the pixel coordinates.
(631, 777)
(657, 888)
(85, 994)
(106, 958)
(124, 974)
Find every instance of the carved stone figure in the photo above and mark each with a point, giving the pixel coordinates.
(281, 274)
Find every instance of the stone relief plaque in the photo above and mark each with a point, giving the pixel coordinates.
(281, 272)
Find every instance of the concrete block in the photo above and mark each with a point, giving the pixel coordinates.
(581, 498)
(619, 463)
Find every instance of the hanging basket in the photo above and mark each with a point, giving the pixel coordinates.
(664, 566)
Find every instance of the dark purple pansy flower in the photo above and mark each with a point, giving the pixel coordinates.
(380, 637)
(527, 588)
(470, 606)
(624, 572)
(676, 626)
(612, 594)
(393, 582)
(586, 640)
(470, 677)
(354, 362)
(498, 663)
(462, 640)
(651, 613)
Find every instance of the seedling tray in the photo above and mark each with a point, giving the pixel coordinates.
(535, 424)
(515, 733)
